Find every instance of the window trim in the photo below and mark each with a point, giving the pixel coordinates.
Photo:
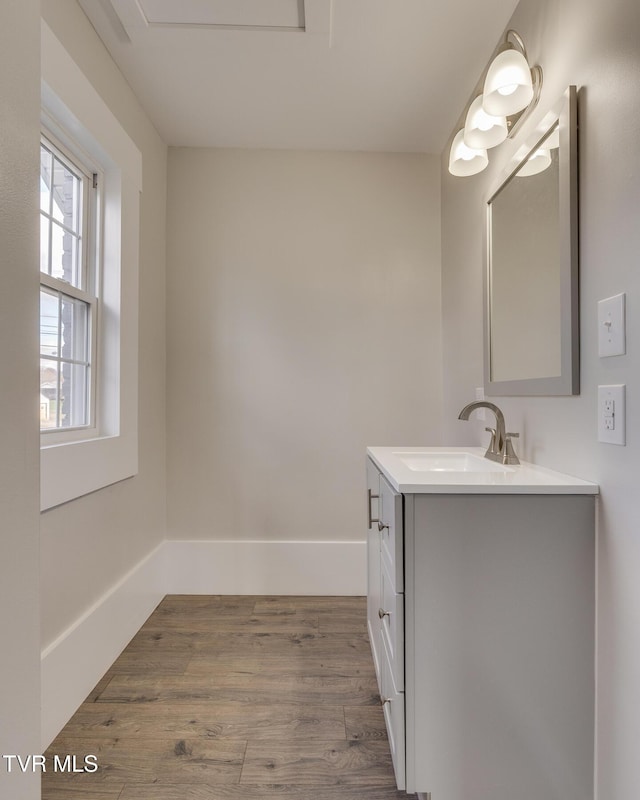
(72, 108)
(89, 173)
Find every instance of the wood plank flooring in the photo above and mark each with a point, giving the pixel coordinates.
(234, 698)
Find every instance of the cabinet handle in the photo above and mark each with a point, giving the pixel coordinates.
(381, 525)
(382, 613)
(371, 497)
(384, 700)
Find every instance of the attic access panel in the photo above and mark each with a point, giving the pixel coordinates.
(278, 14)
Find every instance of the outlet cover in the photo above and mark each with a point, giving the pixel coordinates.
(611, 414)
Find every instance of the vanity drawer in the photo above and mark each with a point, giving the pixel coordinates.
(392, 625)
(391, 534)
(393, 708)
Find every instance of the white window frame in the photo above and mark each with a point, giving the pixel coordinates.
(75, 114)
(90, 173)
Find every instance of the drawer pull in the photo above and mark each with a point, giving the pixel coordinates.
(371, 497)
(382, 613)
(381, 526)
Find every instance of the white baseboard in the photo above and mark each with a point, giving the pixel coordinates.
(76, 660)
(256, 567)
(73, 664)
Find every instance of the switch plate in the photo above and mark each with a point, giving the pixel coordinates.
(611, 326)
(611, 414)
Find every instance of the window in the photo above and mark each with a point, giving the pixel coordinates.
(89, 305)
(68, 281)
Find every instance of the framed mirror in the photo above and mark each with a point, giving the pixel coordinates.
(531, 333)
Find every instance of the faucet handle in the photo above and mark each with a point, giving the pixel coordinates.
(509, 456)
(493, 450)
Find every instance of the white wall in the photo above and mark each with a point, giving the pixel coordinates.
(88, 545)
(594, 45)
(19, 462)
(303, 324)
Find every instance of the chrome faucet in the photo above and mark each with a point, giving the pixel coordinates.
(500, 447)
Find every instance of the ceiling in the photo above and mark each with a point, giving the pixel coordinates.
(379, 75)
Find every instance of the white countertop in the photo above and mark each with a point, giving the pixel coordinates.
(447, 478)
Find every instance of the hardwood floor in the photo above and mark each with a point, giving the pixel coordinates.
(234, 698)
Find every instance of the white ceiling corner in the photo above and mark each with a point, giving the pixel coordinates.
(360, 75)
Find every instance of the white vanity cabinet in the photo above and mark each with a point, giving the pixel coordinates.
(385, 607)
(481, 620)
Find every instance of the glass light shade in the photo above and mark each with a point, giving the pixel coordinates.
(553, 141)
(537, 162)
(481, 130)
(508, 86)
(463, 160)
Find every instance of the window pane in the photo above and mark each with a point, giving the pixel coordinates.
(48, 393)
(44, 244)
(66, 196)
(65, 321)
(73, 396)
(48, 323)
(64, 256)
(45, 178)
(75, 329)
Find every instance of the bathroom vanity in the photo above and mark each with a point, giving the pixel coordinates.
(481, 598)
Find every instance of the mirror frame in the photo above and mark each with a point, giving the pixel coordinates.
(568, 382)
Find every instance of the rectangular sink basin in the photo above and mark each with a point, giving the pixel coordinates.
(449, 462)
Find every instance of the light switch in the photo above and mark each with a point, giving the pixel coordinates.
(611, 326)
(611, 414)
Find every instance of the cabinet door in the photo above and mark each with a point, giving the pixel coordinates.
(392, 539)
(374, 589)
(392, 625)
(393, 707)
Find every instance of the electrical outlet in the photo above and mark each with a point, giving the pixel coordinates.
(611, 414)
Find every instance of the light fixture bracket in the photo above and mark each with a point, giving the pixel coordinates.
(515, 121)
(517, 39)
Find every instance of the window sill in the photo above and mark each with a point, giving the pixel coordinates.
(74, 469)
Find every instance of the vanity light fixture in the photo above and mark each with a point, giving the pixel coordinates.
(465, 160)
(511, 89)
(483, 130)
(508, 87)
